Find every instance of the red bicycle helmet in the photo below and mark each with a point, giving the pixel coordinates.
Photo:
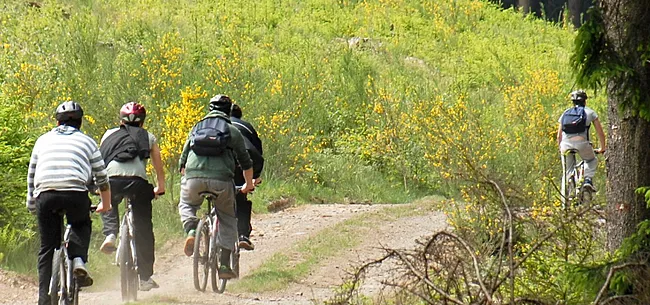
(133, 112)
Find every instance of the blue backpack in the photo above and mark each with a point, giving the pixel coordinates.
(574, 120)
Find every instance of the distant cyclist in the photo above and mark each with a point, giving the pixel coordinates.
(254, 147)
(126, 150)
(63, 162)
(573, 133)
(207, 164)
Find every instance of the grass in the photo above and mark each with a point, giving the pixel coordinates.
(295, 263)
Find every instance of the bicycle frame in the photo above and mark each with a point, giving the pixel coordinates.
(127, 219)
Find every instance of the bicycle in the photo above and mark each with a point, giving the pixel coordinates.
(573, 187)
(64, 285)
(126, 255)
(207, 258)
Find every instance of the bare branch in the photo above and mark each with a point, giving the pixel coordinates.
(610, 274)
(425, 280)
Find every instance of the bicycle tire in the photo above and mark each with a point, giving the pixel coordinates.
(570, 191)
(201, 257)
(235, 261)
(74, 292)
(126, 265)
(134, 281)
(221, 283)
(55, 279)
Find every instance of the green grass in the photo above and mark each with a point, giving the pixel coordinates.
(295, 263)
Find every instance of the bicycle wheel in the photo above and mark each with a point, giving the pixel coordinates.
(235, 260)
(219, 285)
(201, 255)
(126, 266)
(570, 191)
(58, 269)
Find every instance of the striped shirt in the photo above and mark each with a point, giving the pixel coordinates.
(64, 159)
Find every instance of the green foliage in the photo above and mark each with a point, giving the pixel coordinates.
(593, 60)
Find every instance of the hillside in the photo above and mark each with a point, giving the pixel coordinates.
(382, 101)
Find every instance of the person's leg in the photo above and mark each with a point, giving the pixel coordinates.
(243, 212)
(111, 219)
(587, 154)
(227, 236)
(144, 236)
(190, 202)
(78, 216)
(569, 159)
(49, 227)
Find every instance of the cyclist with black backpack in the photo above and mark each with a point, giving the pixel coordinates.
(207, 164)
(125, 150)
(573, 134)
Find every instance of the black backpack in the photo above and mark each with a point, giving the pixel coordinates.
(574, 120)
(210, 136)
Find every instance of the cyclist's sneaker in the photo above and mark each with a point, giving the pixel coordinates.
(81, 273)
(589, 184)
(148, 285)
(226, 273)
(189, 243)
(245, 243)
(108, 246)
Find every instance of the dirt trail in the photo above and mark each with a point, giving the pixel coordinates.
(273, 233)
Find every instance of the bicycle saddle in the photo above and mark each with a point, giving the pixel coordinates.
(210, 194)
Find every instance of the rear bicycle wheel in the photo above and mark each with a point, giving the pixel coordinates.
(220, 286)
(56, 292)
(570, 191)
(126, 266)
(201, 257)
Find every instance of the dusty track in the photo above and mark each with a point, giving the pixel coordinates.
(273, 233)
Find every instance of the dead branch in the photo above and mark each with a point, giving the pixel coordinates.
(424, 279)
(610, 274)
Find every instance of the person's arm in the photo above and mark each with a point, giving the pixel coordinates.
(183, 159)
(559, 134)
(601, 136)
(156, 161)
(31, 171)
(243, 158)
(100, 175)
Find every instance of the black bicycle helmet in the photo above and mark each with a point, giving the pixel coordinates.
(579, 97)
(222, 103)
(69, 110)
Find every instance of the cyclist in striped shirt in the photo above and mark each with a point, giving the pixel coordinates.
(63, 162)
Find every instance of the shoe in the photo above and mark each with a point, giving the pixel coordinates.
(81, 273)
(189, 243)
(226, 273)
(588, 184)
(108, 246)
(245, 243)
(148, 285)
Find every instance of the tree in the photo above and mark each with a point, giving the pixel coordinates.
(613, 49)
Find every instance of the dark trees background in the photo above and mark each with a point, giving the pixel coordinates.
(552, 9)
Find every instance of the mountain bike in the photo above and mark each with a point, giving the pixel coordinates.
(573, 188)
(64, 285)
(126, 255)
(206, 251)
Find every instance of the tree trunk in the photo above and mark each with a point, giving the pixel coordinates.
(530, 7)
(575, 10)
(628, 157)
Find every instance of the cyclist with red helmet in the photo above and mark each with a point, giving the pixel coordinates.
(125, 150)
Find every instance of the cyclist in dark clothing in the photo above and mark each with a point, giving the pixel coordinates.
(254, 147)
